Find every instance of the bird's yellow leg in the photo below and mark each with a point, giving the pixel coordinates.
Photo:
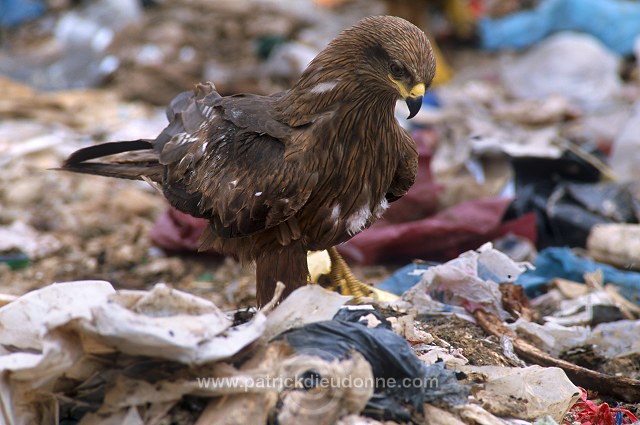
(330, 266)
(343, 280)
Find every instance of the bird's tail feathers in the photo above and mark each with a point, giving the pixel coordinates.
(134, 166)
(106, 149)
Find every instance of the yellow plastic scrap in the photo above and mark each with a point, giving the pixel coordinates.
(443, 71)
(460, 14)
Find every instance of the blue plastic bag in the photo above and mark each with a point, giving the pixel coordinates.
(616, 23)
(15, 12)
(402, 279)
(563, 263)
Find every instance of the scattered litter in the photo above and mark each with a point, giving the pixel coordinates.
(574, 209)
(536, 148)
(451, 358)
(547, 420)
(56, 331)
(439, 416)
(471, 280)
(587, 412)
(310, 304)
(615, 244)
(575, 66)
(20, 237)
(16, 12)
(567, 196)
(551, 337)
(624, 150)
(75, 57)
(403, 279)
(472, 413)
(525, 393)
(402, 382)
(525, 28)
(627, 389)
(553, 109)
(611, 340)
(564, 263)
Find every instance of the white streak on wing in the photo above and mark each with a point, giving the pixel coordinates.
(207, 111)
(185, 159)
(358, 220)
(335, 212)
(257, 194)
(380, 209)
(324, 87)
(233, 184)
(183, 138)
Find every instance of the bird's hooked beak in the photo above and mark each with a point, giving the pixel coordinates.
(413, 97)
(414, 100)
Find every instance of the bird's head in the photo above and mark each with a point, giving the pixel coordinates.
(374, 63)
(386, 55)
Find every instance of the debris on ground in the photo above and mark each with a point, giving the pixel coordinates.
(526, 27)
(511, 267)
(563, 57)
(528, 393)
(565, 263)
(587, 412)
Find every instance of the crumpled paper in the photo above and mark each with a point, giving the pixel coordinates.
(58, 339)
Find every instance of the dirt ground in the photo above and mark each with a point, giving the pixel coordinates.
(476, 346)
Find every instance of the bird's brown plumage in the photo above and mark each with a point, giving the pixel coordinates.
(301, 170)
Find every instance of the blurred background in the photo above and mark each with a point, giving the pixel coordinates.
(529, 137)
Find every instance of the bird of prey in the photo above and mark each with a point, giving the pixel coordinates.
(306, 169)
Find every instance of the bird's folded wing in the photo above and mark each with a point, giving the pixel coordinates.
(406, 170)
(234, 171)
(186, 113)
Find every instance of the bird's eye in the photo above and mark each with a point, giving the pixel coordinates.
(396, 69)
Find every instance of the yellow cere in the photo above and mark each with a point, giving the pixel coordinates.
(417, 90)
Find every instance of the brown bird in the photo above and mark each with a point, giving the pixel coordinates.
(301, 170)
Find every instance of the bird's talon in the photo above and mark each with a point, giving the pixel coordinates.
(343, 280)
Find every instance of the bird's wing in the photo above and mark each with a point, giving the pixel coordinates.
(406, 168)
(186, 113)
(235, 169)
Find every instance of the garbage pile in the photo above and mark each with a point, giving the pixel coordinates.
(82, 352)
(152, 50)
(511, 269)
